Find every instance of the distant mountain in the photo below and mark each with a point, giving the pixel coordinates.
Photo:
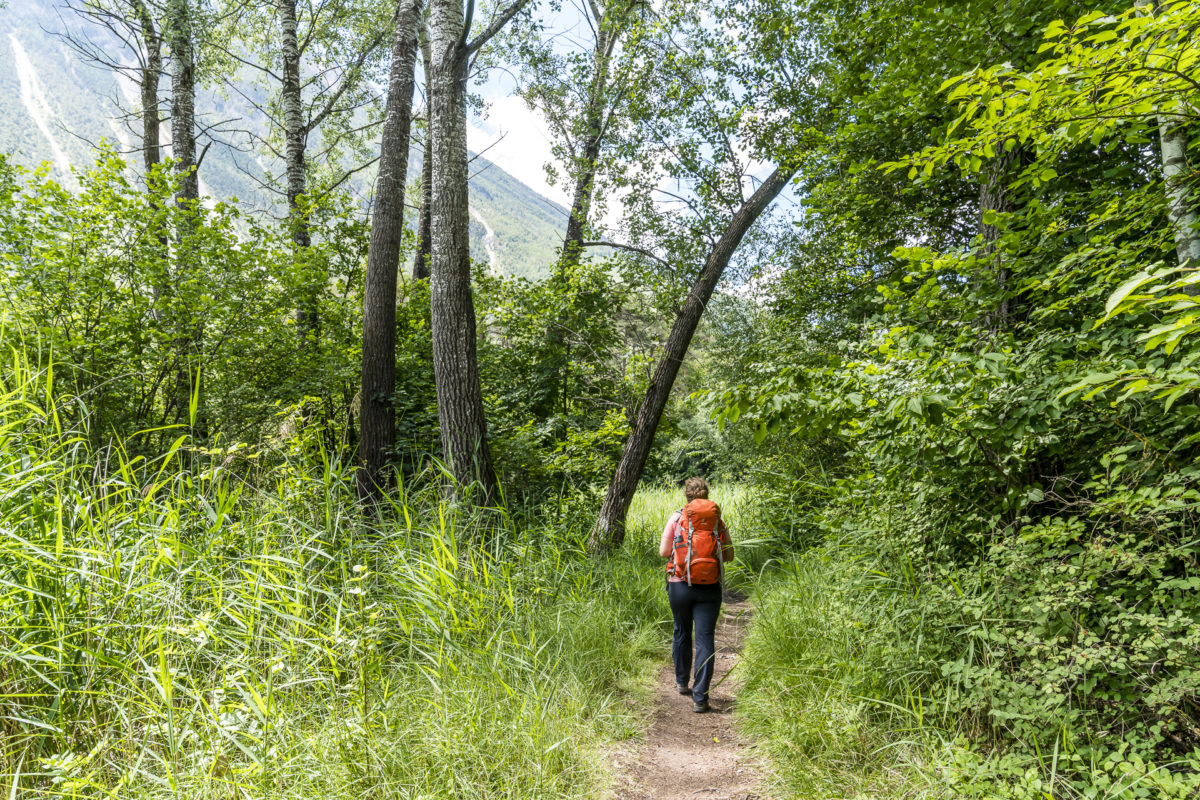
(55, 107)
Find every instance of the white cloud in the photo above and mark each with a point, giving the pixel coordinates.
(517, 140)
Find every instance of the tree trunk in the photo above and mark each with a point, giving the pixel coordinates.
(378, 417)
(183, 100)
(421, 258)
(554, 395)
(994, 197)
(183, 150)
(152, 133)
(295, 135)
(456, 371)
(1181, 208)
(151, 120)
(586, 160)
(609, 531)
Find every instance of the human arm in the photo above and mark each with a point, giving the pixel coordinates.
(665, 546)
(726, 542)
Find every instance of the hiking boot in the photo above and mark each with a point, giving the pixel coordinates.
(700, 707)
(683, 689)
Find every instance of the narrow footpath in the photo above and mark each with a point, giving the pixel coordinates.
(686, 755)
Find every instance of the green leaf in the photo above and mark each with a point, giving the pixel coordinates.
(1127, 288)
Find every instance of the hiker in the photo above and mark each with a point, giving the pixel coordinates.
(695, 569)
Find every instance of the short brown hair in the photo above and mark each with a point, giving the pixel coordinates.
(695, 488)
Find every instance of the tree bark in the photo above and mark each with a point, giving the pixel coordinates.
(183, 149)
(554, 395)
(586, 160)
(420, 269)
(1181, 208)
(295, 134)
(378, 417)
(152, 71)
(183, 99)
(456, 371)
(609, 531)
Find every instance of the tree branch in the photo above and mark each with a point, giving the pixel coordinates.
(498, 23)
(632, 249)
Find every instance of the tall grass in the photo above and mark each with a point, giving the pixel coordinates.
(195, 625)
(821, 695)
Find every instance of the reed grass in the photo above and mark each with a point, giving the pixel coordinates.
(202, 625)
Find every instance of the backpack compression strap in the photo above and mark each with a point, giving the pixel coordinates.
(690, 530)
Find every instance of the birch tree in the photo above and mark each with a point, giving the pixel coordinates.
(329, 24)
(180, 38)
(420, 269)
(314, 60)
(1173, 147)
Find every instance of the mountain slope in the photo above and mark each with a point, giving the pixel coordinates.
(54, 107)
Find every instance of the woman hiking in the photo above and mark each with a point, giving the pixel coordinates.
(696, 544)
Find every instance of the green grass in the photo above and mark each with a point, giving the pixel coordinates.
(198, 626)
(846, 702)
(818, 699)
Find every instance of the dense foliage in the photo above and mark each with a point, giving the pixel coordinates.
(1011, 396)
(177, 629)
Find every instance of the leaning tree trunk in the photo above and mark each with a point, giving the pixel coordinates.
(378, 416)
(183, 148)
(295, 158)
(609, 531)
(420, 269)
(455, 367)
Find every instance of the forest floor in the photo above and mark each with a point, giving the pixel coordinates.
(685, 755)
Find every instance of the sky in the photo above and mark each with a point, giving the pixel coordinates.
(516, 139)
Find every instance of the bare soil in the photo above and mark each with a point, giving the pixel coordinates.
(686, 755)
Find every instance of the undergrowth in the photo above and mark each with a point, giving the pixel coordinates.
(204, 625)
(849, 696)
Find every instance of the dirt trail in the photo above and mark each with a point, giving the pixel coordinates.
(686, 755)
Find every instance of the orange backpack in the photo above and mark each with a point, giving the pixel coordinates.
(698, 556)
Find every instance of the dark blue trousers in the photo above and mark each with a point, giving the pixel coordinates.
(698, 606)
